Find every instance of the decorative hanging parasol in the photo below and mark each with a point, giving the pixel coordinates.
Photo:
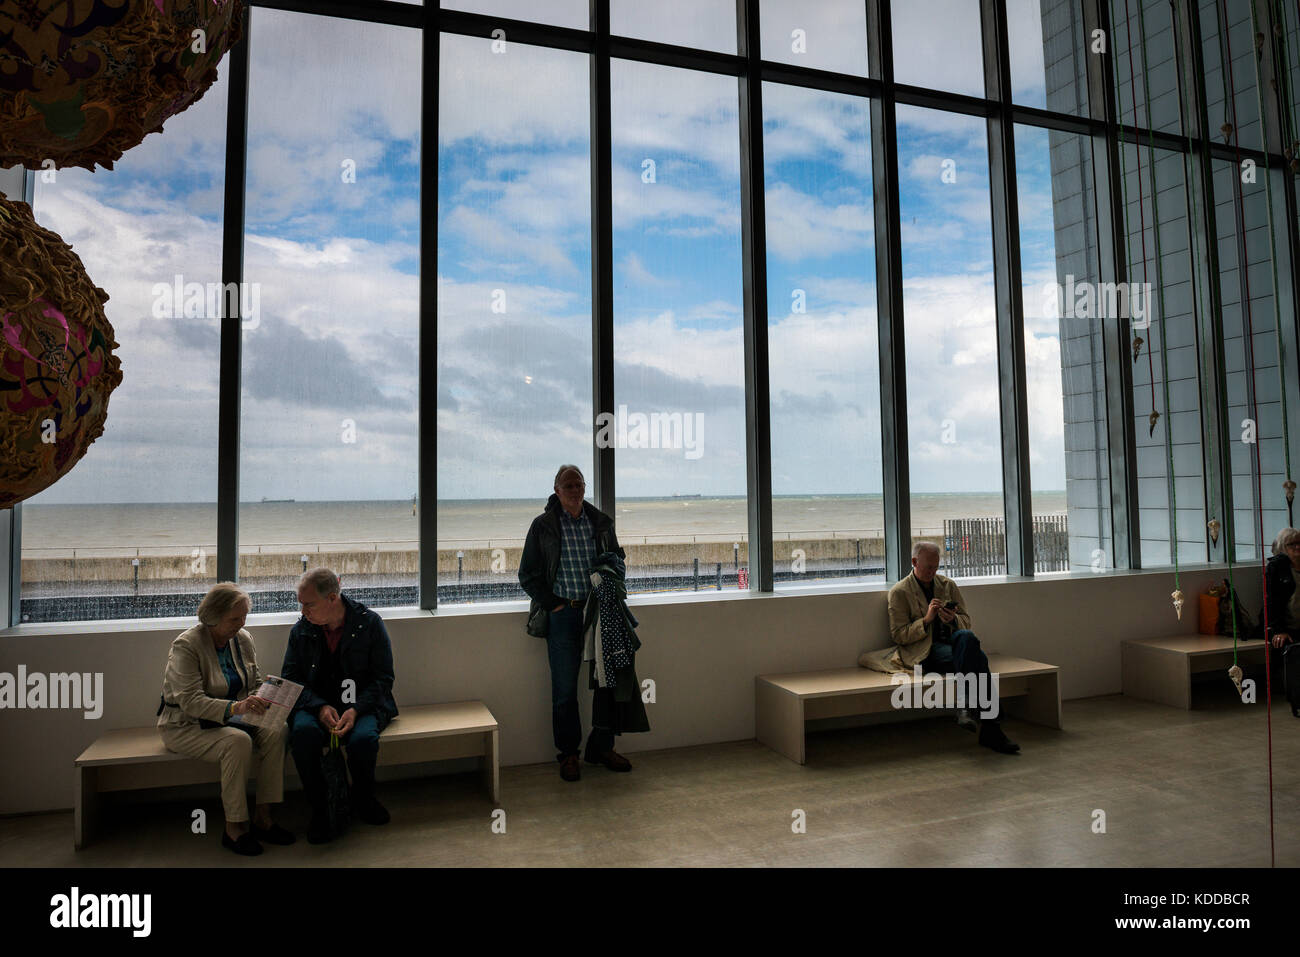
(57, 366)
(83, 81)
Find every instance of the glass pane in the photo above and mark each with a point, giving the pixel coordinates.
(955, 432)
(827, 508)
(823, 36)
(1163, 316)
(1145, 66)
(1049, 50)
(514, 303)
(146, 490)
(1246, 277)
(678, 339)
(706, 24)
(937, 44)
(1068, 460)
(560, 13)
(330, 361)
(1232, 98)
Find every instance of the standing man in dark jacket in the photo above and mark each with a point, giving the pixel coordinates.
(339, 652)
(561, 547)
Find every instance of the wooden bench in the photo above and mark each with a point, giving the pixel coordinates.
(1161, 669)
(132, 759)
(783, 703)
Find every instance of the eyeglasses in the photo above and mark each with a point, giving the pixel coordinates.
(573, 486)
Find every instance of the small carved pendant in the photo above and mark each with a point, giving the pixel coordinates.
(1235, 674)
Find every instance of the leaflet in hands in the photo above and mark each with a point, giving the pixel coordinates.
(280, 694)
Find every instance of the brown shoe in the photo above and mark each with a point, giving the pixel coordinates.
(612, 760)
(570, 768)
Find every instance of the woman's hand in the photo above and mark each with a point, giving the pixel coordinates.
(252, 704)
(1280, 639)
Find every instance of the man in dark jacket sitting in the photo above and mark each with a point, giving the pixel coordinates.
(1283, 610)
(561, 547)
(339, 652)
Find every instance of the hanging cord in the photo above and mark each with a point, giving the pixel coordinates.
(1160, 293)
(1201, 296)
(1282, 87)
(1233, 130)
(1142, 225)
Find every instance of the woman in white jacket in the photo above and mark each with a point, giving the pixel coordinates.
(211, 677)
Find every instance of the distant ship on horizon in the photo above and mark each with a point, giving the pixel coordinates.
(695, 495)
(276, 501)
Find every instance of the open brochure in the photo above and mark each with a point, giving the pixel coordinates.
(281, 694)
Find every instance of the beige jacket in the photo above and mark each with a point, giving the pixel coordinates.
(911, 635)
(195, 683)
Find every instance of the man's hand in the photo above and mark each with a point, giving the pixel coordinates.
(328, 717)
(936, 606)
(1280, 639)
(346, 722)
(947, 615)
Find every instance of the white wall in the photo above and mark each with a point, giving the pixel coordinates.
(703, 654)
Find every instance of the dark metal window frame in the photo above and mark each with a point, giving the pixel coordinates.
(751, 71)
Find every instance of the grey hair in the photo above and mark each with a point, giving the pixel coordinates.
(919, 547)
(1285, 538)
(219, 600)
(568, 468)
(322, 579)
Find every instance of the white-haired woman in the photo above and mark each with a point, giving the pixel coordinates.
(211, 677)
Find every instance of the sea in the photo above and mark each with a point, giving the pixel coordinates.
(179, 528)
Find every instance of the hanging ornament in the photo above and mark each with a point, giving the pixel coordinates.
(57, 366)
(1177, 596)
(1290, 491)
(1137, 347)
(82, 82)
(1213, 526)
(1235, 674)
(1155, 417)
(1226, 130)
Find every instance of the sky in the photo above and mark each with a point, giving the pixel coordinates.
(330, 371)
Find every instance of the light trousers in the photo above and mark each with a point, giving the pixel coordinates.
(238, 755)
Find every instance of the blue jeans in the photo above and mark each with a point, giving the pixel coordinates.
(307, 736)
(564, 645)
(961, 654)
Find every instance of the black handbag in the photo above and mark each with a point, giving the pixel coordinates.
(335, 769)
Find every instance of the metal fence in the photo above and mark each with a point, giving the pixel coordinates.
(978, 546)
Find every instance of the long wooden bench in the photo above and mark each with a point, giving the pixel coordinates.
(1161, 669)
(131, 759)
(1029, 690)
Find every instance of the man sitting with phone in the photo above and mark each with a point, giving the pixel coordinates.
(930, 626)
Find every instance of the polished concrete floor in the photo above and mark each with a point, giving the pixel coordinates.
(1177, 788)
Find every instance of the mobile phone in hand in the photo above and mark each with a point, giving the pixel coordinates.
(950, 605)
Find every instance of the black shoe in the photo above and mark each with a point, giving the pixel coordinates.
(371, 811)
(992, 736)
(570, 769)
(246, 844)
(319, 830)
(275, 834)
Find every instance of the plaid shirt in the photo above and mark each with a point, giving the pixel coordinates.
(577, 555)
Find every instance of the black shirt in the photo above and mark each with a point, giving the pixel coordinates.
(938, 628)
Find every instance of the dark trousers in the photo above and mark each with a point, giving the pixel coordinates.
(564, 646)
(307, 737)
(961, 654)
